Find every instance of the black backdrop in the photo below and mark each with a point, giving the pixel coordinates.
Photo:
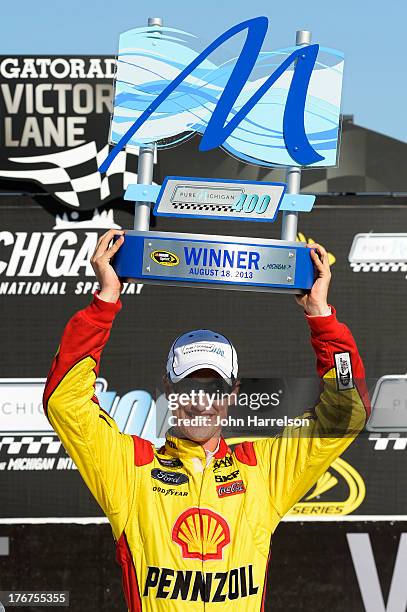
(272, 340)
(268, 330)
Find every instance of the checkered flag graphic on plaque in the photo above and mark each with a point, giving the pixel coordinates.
(198, 206)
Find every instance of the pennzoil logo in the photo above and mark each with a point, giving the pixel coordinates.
(201, 534)
(196, 585)
(165, 258)
(356, 491)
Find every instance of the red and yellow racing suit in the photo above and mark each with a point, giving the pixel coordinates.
(192, 536)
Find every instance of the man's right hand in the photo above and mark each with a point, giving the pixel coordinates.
(109, 282)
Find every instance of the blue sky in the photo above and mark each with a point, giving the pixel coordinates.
(370, 33)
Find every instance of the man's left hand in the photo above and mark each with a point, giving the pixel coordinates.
(315, 303)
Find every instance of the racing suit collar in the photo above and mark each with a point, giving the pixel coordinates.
(182, 447)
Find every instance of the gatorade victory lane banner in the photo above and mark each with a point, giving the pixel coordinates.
(45, 276)
(54, 121)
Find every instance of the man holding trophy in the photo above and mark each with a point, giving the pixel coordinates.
(193, 520)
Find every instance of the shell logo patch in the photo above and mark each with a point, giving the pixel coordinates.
(165, 258)
(201, 534)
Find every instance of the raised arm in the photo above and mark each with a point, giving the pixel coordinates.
(294, 461)
(103, 455)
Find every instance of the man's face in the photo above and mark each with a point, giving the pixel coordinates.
(198, 404)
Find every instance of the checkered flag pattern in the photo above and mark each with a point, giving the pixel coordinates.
(224, 208)
(396, 266)
(73, 176)
(30, 445)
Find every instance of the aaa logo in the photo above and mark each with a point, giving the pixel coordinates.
(201, 534)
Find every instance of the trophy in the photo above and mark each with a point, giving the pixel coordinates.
(285, 117)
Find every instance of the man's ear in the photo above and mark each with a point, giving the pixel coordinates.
(235, 390)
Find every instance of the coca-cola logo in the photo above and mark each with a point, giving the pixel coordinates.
(234, 488)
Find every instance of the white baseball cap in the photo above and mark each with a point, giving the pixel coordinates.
(199, 349)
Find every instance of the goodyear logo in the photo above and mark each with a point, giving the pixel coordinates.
(165, 258)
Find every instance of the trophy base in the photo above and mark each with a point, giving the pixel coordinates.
(214, 262)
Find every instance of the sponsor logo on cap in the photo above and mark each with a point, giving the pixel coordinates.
(204, 347)
(200, 529)
(165, 258)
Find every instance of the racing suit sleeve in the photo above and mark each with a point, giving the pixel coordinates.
(103, 455)
(296, 459)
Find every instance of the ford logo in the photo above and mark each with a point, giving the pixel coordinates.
(170, 478)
